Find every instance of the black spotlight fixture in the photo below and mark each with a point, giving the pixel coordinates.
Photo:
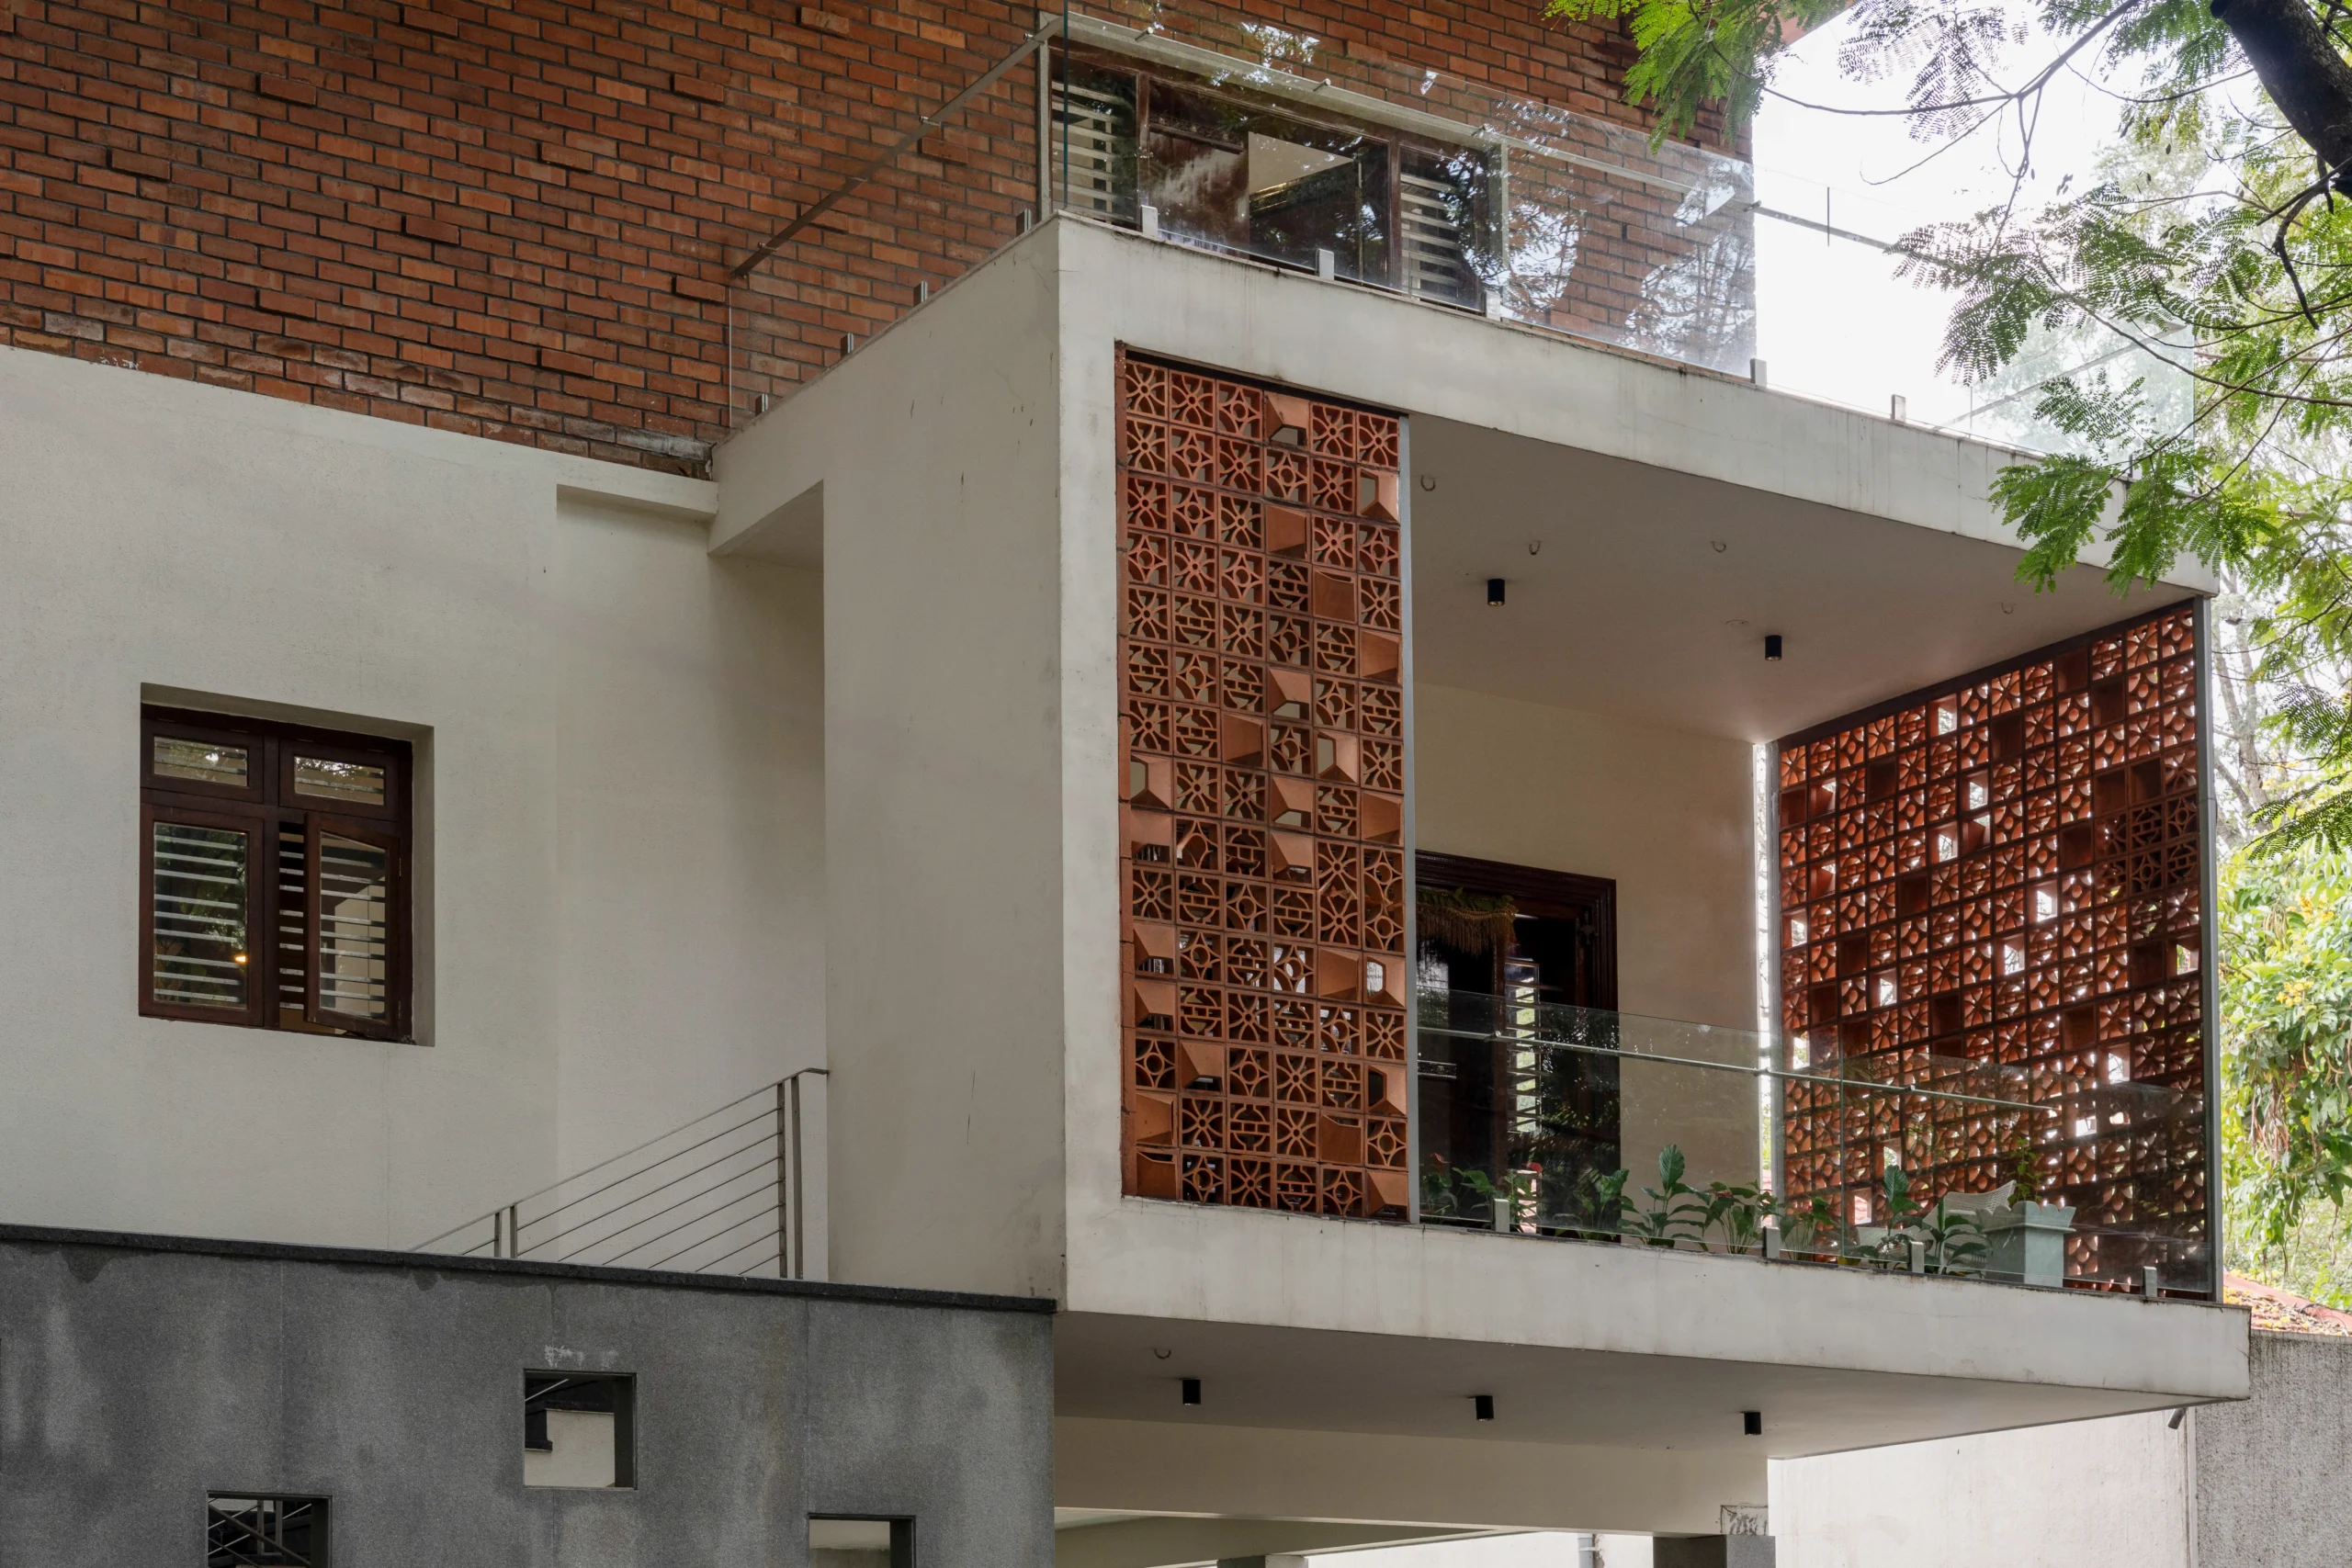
(1191, 1391)
(1482, 1405)
(1751, 1423)
(1495, 592)
(1773, 647)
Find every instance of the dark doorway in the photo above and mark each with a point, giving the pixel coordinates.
(1517, 969)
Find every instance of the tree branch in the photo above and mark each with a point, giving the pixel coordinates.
(2304, 73)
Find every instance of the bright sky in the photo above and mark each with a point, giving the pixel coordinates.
(1833, 321)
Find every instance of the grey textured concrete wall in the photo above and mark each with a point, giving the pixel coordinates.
(2274, 1475)
(138, 1374)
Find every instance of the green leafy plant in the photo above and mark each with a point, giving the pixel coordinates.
(1677, 1212)
(1816, 1227)
(1955, 1241)
(1439, 1200)
(1736, 1214)
(1517, 1189)
(1599, 1205)
(2025, 1170)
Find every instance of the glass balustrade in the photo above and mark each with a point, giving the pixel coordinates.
(1540, 1120)
(1205, 127)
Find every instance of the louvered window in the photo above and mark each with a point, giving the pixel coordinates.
(1094, 138)
(1242, 163)
(274, 887)
(1430, 211)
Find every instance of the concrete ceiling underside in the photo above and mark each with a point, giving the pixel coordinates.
(1113, 1368)
(1630, 608)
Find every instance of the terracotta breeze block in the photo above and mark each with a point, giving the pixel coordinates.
(1994, 888)
(517, 221)
(1265, 1054)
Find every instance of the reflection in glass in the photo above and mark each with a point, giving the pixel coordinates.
(206, 761)
(1222, 168)
(1094, 139)
(355, 930)
(200, 957)
(359, 783)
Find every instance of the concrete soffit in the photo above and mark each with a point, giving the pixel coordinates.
(790, 534)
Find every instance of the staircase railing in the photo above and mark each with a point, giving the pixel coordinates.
(737, 1190)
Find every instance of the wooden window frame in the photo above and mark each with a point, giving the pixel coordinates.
(259, 831)
(267, 806)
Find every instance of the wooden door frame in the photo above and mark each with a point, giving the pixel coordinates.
(1548, 894)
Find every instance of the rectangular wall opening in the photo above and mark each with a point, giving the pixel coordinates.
(845, 1542)
(579, 1429)
(257, 1530)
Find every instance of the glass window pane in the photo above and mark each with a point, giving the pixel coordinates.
(359, 782)
(206, 761)
(1094, 139)
(1228, 174)
(200, 957)
(354, 929)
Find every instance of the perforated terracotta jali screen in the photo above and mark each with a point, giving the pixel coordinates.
(1996, 888)
(1261, 768)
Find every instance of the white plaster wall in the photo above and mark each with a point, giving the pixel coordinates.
(567, 671)
(948, 638)
(1670, 817)
(690, 857)
(2269, 1485)
(1666, 814)
(2085, 1494)
(1176, 1467)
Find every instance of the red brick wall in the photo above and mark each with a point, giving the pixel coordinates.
(517, 221)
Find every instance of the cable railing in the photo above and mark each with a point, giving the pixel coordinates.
(737, 1191)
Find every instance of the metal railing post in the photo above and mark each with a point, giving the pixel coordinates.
(800, 1187)
(513, 1231)
(787, 1189)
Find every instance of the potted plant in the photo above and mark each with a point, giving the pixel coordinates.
(2025, 1243)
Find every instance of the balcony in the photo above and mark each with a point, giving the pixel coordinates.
(962, 482)
(1202, 124)
(1563, 1123)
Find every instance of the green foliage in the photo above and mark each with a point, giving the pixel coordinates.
(1735, 1213)
(1697, 52)
(1676, 1211)
(1598, 1205)
(2286, 1013)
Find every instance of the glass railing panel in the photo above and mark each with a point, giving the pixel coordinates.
(1234, 134)
(1212, 129)
(1538, 1119)
(1839, 321)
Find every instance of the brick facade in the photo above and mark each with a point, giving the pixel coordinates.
(517, 221)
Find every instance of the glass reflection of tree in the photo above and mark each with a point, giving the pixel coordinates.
(1699, 306)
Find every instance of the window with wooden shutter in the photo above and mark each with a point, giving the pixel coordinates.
(274, 875)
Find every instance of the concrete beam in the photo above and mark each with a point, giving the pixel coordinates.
(1427, 1483)
(1184, 1542)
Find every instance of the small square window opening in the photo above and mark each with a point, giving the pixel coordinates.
(251, 1531)
(579, 1429)
(838, 1541)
